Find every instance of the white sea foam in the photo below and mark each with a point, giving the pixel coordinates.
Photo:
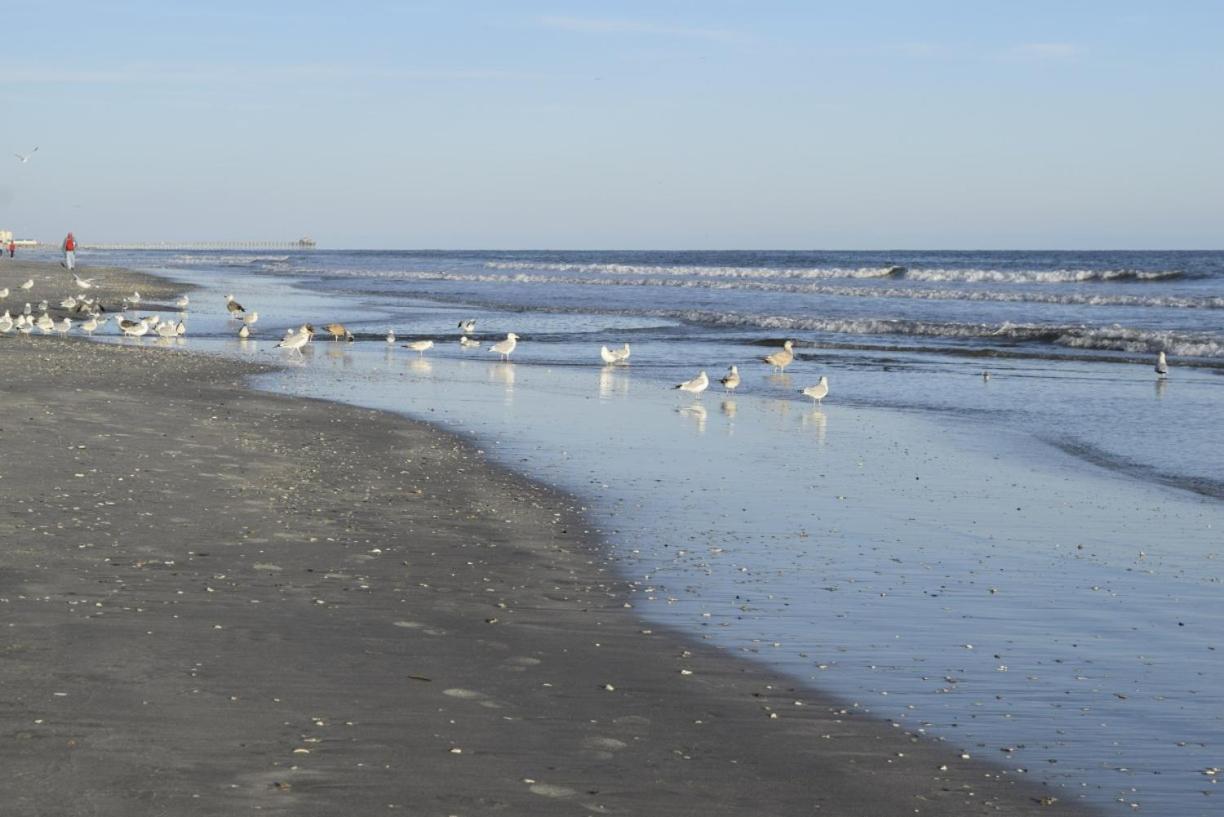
(1077, 298)
(936, 274)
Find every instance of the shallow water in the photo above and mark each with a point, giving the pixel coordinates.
(920, 544)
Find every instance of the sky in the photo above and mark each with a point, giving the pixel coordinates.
(698, 124)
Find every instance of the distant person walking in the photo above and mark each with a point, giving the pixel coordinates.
(69, 248)
(12, 248)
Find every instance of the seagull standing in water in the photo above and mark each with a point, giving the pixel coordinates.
(468, 343)
(505, 347)
(781, 358)
(731, 379)
(1162, 365)
(390, 337)
(817, 392)
(419, 346)
(296, 340)
(233, 306)
(468, 326)
(695, 386)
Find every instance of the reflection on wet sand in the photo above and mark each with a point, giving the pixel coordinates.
(782, 381)
(697, 414)
(728, 408)
(503, 373)
(816, 421)
(420, 366)
(613, 382)
(1161, 385)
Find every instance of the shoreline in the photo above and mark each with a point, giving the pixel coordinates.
(377, 554)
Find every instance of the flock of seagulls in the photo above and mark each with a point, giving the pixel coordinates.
(90, 317)
(778, 361)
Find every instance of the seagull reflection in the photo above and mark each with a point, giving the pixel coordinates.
(697, 414)
(503, 373)
(782, 380)
(613, 382)
(420, 366)
(816, 420)
(728, 408)
(1161, 385)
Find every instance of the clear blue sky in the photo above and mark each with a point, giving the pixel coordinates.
(672, 123)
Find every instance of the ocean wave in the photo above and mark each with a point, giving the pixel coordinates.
(1105, 338)
(933, 275)
(850, 291)
(226, 260)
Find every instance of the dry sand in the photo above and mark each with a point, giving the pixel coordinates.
(215, 601)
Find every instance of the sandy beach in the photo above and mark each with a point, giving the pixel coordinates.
(217, 601)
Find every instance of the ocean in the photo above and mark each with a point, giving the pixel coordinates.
(1001, 529)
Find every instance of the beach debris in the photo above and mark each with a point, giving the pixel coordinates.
(817, 392)
(779, 360)
(695, 386)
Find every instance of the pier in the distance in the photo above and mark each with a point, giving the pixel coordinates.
(300, 244)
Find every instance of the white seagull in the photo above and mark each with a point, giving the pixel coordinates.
(4, 292)
(28, 285)
(468, 343)
(607, 355)
(182, 303)
(731, 379)
(419, 346)
(296, 340)
(25, 157)
(781, 358)
(817, 392)
(505, 347)
(91, 324)
(391, 336)
(695, 386)
(1162, 365)
(83, 283)
(244, 332)
(250, 320)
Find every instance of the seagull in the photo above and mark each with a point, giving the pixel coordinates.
(391, 336)
(505, 347)
(985, 374)
(233, 306)
(45, 323)
(244, 332)
(1162, 365)
(731, 379)
(250, 320)
(27, 311)
(133, 329)
(84, 283)
(25, 157)
(695, 386)
(69, 303)
(296, 340)
(419, 346)
(4, 292)
(91, 324)
(620, 355)
(782, 358)
(468, 343)
(182, 303)
(818, 391)
(468, 326)
(6, 322)
(28, 285)
(337, 331)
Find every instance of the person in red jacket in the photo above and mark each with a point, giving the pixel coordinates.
(12, 248)
(69, 248)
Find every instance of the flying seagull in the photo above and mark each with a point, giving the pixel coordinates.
(25, 157)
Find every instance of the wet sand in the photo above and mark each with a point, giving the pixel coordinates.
(215, 600)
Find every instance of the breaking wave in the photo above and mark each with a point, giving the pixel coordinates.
(850, 291)
(935, 274)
